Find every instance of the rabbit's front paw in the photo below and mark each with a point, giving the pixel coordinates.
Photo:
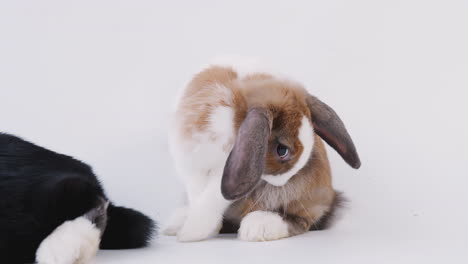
(262, 226)
(199, 227)
(176, 221)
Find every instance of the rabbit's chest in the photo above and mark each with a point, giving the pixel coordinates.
(208, 149)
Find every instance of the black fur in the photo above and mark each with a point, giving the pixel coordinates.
(126, 228)
(40, 189)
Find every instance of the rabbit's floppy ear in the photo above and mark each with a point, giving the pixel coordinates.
(328, 125)
(246, 161)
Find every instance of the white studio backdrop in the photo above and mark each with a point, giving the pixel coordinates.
(98, 79)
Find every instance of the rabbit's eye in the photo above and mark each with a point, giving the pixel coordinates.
(283, 151)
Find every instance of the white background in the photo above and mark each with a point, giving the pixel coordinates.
(97, 80)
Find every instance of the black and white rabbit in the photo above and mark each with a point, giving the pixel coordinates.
(53, 209)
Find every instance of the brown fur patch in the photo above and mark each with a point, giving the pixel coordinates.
(211, 88)
(307, 200)
(303, 201)
(328, 218)
(220, 86)
(285, 101)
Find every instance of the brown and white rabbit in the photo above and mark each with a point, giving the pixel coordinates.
(248, 146)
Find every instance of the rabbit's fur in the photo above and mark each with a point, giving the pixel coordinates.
(230, 127)
(54, 210)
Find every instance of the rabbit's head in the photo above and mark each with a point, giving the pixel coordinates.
(275, 136)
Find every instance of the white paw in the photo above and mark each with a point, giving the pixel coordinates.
(200, 227)
(262, 226)
(73, 242)
(175, 222)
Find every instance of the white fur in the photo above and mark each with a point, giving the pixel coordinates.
(197, 158)
(306, 137)
(73, 242)
(205, 215)
(199, 161)
(222, 121)
(175, 222)
(262, 226)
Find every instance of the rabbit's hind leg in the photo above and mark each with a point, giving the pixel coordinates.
(75, 241)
